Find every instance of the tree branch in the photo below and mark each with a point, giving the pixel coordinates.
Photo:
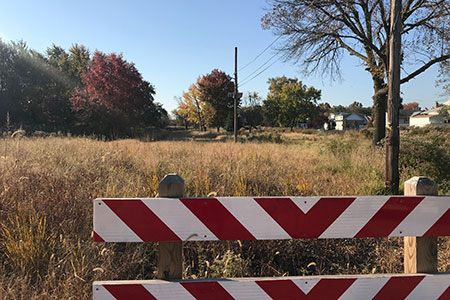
(424, 68)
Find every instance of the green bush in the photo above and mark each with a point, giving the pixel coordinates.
(426, 152)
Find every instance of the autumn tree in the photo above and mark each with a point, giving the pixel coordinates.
(192, 108)
(290, 101)
(412, 105)
(319, 33)
(115, 97)
(216, 91)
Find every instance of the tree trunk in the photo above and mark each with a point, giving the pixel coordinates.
(379, 109)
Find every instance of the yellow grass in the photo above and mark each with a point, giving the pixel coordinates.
(47, 186)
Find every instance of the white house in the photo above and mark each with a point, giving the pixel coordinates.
(428, 117)
(348, 121)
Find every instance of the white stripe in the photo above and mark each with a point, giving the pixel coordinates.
(168, 291)
(109, 226)
(254, 218)
(244, 290)
(424, 215)
(100, 293)
(179, 219)
(430, 288)
(364, 288)
(358, 214)
(306, 285)
(305, 203)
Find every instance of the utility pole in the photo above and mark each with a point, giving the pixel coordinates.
(392, 128)
(235, 96)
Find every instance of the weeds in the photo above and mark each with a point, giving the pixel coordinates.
(47, 186)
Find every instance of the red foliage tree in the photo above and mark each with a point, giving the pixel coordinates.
(412, 105)
(113, 83)
(216, 89)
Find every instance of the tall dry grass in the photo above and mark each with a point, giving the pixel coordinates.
(47, 186)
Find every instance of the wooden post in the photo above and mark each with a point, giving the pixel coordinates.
(420, 253)
(170, 259)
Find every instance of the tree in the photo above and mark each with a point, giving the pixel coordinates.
(216, 91)
(32, 89)
(10, 85)
(114, 97)
(290, 101)
(191, 107)
(252, 112)
(358, 108)
(412, 105)
(319, 33)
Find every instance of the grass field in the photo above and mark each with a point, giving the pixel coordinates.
(47, 186)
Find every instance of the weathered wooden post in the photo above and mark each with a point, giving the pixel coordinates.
(170, 259)
(420, 253)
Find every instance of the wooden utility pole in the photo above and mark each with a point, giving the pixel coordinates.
(235, 96)
(392, 128)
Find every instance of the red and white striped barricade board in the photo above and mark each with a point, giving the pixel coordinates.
(269, 218)
(373, 287)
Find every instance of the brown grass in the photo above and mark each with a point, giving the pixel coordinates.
(47, 186)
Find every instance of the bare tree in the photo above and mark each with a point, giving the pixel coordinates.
(319, 32)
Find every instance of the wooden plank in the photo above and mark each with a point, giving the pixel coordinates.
(266, 218)
(170, 258)
(358, 287)
(420, 253)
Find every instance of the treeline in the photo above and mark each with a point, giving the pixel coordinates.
(74, 91)
(289, 103)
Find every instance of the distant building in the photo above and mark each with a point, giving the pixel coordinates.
(428, 117)
(404, 116)
(343, 121)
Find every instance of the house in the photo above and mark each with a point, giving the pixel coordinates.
(404, 116)
(344, 121)
(429, 117)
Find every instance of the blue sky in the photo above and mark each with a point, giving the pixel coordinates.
(173, 42)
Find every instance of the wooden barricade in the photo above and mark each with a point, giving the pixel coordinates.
(419, 216)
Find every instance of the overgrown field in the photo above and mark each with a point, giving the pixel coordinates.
(47, 186)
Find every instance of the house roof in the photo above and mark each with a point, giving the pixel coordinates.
(424, 116)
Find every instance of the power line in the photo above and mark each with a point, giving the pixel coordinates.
(260, 72)
(259, 68)
(257, 56)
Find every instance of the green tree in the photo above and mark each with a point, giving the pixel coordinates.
(252, 112)
(290, 101)
(319, 33)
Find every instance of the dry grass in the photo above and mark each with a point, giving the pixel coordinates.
(47, 186)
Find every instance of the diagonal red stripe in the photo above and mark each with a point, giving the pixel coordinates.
(139, 218)
(445, 295)
(300, 225)
(129, 291)
(217, 218)
(281, 289)
(329, 289)
(97, 238)
(398, 288)
(389, 216)
(441, 227)
(207, 290)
